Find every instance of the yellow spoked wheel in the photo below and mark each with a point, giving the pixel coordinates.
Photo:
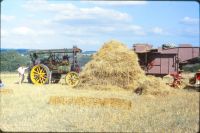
(72, 79)
(39, 74)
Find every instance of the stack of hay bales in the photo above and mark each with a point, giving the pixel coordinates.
(115, 65)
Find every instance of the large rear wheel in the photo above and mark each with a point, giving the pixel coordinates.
(72, 79)
(39, 74)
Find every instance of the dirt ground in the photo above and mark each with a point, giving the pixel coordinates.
(58, 108)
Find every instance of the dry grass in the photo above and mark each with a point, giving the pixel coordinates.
(27, 109)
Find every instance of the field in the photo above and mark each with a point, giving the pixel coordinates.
(56, 107)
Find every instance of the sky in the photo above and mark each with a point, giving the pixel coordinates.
(49, 24)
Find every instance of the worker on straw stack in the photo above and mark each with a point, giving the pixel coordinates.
(21, 71)
(177, 79)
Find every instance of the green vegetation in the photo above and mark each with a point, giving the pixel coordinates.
(192, 67)
(83, 59)
(10, 60)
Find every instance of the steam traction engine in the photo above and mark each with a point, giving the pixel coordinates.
(49, 65)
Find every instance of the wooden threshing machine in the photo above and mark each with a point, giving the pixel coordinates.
(166, 60)
(48, 66)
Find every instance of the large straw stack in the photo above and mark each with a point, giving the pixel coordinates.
(115, 65)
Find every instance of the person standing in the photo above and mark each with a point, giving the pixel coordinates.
(21, 71)
(1, 84)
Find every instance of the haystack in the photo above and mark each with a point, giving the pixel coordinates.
(115, 65)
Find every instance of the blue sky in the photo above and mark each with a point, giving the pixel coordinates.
(46, 24)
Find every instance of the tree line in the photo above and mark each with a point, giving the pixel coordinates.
(10, 60)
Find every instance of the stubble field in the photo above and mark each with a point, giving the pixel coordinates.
(56, 107)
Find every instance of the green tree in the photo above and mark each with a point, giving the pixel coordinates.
(11, 59)
(83, 59)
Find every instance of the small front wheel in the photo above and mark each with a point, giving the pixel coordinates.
(72, 79)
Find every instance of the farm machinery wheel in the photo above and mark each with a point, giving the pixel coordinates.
(72, 79)
(39, 74)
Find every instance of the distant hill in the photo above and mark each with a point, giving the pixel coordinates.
(88, 52)
(21, 51)
(10, 58)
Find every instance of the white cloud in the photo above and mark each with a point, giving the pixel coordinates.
(106, 23)
(105, 13)
(45, 6)
(77, 31)
(69, 11)
(103, 30)
(88, 30)
(81, 42)
(139, 33)
(45, 32)
(117, 3)
(106, 29)
(7, 18)
(44, 23)
(4, 33)
(131, 28)
(60, 7)
(23, 31)
(71, 15)
(35, 5)
(135, 27)
(189, 20)
(157, 30)
(26, 31)
(92, 13)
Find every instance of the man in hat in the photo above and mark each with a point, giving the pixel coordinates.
(36, 59)
(21, 71)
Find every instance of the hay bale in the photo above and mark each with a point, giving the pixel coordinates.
(6, 91)
(90, 101)
(116, 65)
